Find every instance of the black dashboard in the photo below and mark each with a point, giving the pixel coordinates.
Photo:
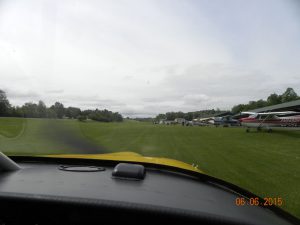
(51, 192)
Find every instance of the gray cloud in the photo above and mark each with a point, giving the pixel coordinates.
(20, 94)
(128, 77)
(195, 98)
(182, 58)
(54, 91)
(218, 79)
(92, 102)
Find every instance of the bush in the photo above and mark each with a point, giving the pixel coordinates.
(82, 118)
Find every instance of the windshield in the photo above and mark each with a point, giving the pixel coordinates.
(158, 79)
(253, 116)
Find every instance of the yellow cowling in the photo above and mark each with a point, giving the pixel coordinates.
(129, 156)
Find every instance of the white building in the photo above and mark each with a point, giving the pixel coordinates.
(180, 120)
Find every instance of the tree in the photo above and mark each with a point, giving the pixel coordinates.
(289, 95)
(82, 118)
(59, 109)
(4, 104)
(160, 117)
(51, 113)
(261, 103)
(189, 116)
(117, 117)
(86, 112)
(251, 105)
(16, 111)
(274, 99)
(72, 112)
(238, 108)
(179, 115)
(42, 109)
(171, 116)
(105, 116)
(30, 110)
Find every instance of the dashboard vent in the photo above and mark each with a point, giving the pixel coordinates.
(81, 168)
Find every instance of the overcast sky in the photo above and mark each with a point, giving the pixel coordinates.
(145, 57)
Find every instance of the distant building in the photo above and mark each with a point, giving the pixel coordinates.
(169, 122)
(162, 121)
(166, 122)
(180, 120)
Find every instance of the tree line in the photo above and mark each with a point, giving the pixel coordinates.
(189, 115)
(57, 111)
(272, 99)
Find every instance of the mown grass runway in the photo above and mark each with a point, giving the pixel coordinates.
(267, 164)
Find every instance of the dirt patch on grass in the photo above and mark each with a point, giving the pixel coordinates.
(69, 134)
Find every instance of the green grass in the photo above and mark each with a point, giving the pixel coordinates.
(267, 164)
(11, 127)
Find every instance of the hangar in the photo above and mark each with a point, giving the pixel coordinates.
(287, 106)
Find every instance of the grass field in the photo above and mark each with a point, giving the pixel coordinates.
(267, 164)
(11, 127)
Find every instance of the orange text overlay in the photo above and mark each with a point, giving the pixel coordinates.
(255, 201)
